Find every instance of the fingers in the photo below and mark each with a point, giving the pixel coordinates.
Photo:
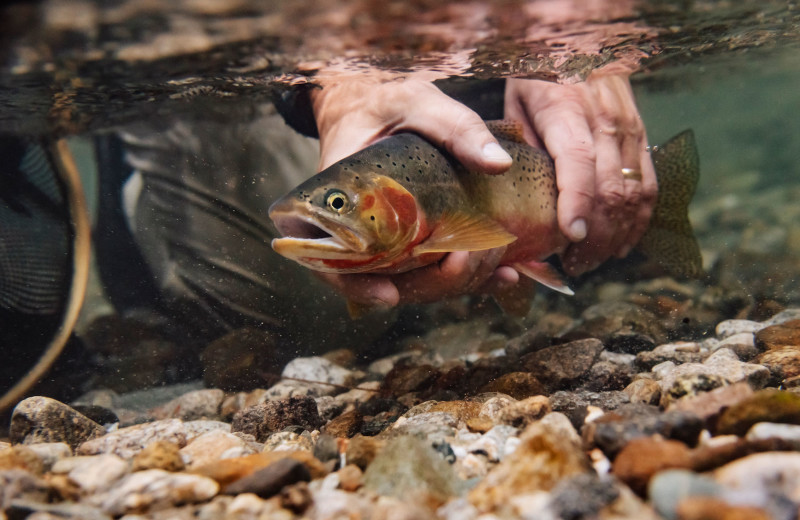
(366, 289)
(353, 114)
(592, 130)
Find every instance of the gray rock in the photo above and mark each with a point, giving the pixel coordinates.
(667, 488)
(41, 419)
(562, 365)
(17, 483)
(200, 427)
(407, 466)
(783, 317)
(583, 496)
(723, 364)
(680, 352)
(314, 371)
(742, 344)
(127, 442)
(153, 489)
(574, 404)
(766, 480)
(433, 426)
(66, 510)
(730, 327)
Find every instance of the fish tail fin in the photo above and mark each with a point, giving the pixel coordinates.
(669, 239)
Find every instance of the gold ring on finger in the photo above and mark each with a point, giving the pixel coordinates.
(633, 174)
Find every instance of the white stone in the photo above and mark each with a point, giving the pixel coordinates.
(97, 473)
(767, 430)
(127, 442)
(730, 327)
(50, 452)
(763, 474)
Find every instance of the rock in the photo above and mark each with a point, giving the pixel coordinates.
(366, 391)
(764, 477)
(226, 471)
(159, 455)
(646, 391)
(669, 488)
(153, 489)
(680, 352)
(525, 412)
(41, 419)
(575, 404)
(721, 364)
(642, 458)
(494, 444)
(127, 442)
(407, 466)
(690, 385)
(93, 473)
(541, 460)
(269, 481)
(200, 404)
(350, 478)
(200, 427)
(493, 406)
(709, 405)
(289, 441)
(583, 496)
(272, 416)
(50, 452)
(786, 334)
(622, 326)
(21, 457)
(782, 362)
(788, 433)
(728, 328)
(212, 446)
(296, 497)
(769, 405)
(613, 431)
(432, 426)
(742, 344)
(612, 371)
(239, 401)
(243, 359)
(333, 504)
(403, 379)
(315, 372)
(18, 483)
(518, 385)
(32, 510)
(361, 450)
(562, 365)
(707, 508)
(461, 410)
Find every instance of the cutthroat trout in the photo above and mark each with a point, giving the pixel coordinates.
(403, 203)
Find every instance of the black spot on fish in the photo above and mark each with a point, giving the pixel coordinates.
(356, 177)
(372, 217)
(379, 166)
(408, 179)
(394, 163)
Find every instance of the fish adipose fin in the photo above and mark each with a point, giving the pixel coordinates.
(464, 232)
(545, 274)
(669, 239)
(507, 129)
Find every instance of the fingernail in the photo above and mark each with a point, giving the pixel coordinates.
(494, 152)
(577, 229)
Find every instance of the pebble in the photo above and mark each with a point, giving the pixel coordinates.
(729, 328)
(707, 508)
(783, 362)
(269, 481)
(643, 390)
(709, 405)
(153, 489)
(243, 359)
(583, 496)
(21, 457)
(558, 367)
(288, 441)
(786, 334)
(159, 455)
(200, 404)
(350, 477)
(127, 442)
(94, 473)
(50, 452)
(33, 510)
(493, 407)
(722, 364)
(41, 419)
(642, 458)
(403, 379)
(763, 476)
(272, 416)
(622, 326)
(239, 401)
(769, 405)
(541, 460)
(314, 371)
(518, 385)
(575, 404)
(524, 412)
(212, 446)
(407, 466)
(361, 450)
(789, 433)
(668, 488)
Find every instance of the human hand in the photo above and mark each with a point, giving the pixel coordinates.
(353, 114)
(592, 130)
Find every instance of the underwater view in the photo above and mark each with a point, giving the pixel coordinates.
(399, 260)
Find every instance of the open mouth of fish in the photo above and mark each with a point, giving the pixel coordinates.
(307, 236)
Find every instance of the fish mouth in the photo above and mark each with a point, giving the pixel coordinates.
(309, 237)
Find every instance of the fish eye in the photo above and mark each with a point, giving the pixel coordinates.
(336, 200)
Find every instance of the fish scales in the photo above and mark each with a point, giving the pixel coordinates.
(402, 203)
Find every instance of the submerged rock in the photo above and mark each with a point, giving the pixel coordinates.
(272, 416)
(41, 419)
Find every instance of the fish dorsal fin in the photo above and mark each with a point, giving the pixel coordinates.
(669, 239)
(507, 129)
(545, 274)
(464, 232)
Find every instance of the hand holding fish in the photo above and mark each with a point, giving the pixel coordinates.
(594, 133)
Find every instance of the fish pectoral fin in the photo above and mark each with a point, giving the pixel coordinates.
(464, 232)
(508, 129)
(545, 274)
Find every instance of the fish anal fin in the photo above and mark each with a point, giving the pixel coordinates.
(464, 232)
(516, 299)
(545, 274)
(507, 129)
(669, 239)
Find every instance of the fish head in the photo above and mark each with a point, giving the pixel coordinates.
(346, 221)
